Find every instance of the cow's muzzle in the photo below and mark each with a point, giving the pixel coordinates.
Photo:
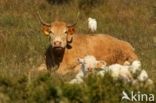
(57, 44)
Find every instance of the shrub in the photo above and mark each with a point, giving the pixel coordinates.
(57, 2)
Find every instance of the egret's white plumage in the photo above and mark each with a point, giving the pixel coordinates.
(92, 24)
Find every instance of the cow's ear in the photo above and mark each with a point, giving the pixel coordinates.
(101, 63)
(80, 60)
(46, 30)
(70, 32)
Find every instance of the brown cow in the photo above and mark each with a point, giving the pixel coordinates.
(66, 47)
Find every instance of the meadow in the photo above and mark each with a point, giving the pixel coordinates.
(22, 48)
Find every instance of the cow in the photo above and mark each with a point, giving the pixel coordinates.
(66, 46)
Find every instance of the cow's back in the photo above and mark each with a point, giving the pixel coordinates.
(103, 47)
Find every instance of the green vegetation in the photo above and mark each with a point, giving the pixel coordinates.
(22, 47)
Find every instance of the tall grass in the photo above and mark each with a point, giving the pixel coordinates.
(22, 47)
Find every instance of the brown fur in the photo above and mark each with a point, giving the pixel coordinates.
(103, 47)
(72, 46)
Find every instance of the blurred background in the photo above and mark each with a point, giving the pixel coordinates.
(22, 44)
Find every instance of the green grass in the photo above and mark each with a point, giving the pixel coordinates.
(22, 47)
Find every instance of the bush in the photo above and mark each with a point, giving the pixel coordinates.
(57, 2)
(22, 47)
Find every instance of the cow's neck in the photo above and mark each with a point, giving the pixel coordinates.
(58, 54)
(54, 57)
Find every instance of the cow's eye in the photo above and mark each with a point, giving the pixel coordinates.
(66, 32)
(51, 32)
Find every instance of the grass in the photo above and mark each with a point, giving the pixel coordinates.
(22, 47)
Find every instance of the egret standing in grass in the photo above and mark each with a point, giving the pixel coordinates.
(92, 24)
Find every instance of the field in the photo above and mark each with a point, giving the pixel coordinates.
(22, 47)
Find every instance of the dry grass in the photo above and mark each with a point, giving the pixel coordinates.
(22, 45)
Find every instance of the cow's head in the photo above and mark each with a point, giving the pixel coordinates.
(60, 33)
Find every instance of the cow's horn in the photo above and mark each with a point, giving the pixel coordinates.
(70, 25)
(41, 20)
